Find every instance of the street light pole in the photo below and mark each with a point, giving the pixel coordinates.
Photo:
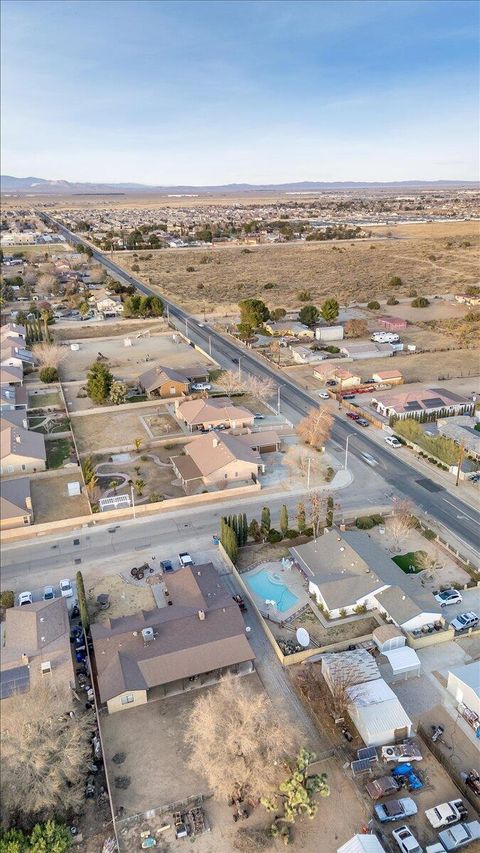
(210, 344)
(308, 472)
(186, 327)
(239, 366)
(346, 452)
(133, 502)
(278, 399)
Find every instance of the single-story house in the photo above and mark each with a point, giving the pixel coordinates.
(12, 355)
(462, 430)
(213, 412)
(11, 375)
(329, 333)
(109, 305)
(377, 713)
(196, 640)
(291, 328)
(367, 349)
(15, 503)
(362, 844)
(420, 401)
(13, 332)
(345, 378)
(464, 685)
(216, 460)
(37, 648)
(304, 355)
(21, 450)
(265, 442)
(392, 324)
(13, 397)
(392, 377)
(404, 611)
(164, 382)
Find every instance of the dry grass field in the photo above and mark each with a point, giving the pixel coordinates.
(432, 258)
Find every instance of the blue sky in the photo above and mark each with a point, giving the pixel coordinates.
(216, 92)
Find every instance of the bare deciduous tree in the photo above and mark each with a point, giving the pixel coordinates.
(299, 458)
(315, 429)
(97, 274)
(428, 563)
(230, 382)
(261, 389)
(237, 742)
(356, 328)
(49, 355)
(44, 753)
(400, 523)
(45, 284)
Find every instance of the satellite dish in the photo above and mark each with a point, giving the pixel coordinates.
(303, 637)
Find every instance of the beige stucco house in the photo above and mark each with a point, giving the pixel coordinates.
(216, 460)
(15, 503)
(213, 412)
(21, 451)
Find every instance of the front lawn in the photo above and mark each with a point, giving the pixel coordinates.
(59, 451)
(408, 562)
(43, 400)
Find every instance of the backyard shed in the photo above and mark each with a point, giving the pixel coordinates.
(388, 637)
(404, 662)
(362, 844)
(377, 713)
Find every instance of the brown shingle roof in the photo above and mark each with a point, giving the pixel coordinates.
(15, 440)
(215, 450)
(14, 496)
(157, 376)
(184, 644)
(202, 411)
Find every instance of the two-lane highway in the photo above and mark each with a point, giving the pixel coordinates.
(463, 520)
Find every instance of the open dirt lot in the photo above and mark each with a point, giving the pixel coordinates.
(128, 363)
(323, 636)
(447, 571)
(107, 328)
(95, 433)
(50, 498)
(125, 598)
(358, 271)
(152, 738)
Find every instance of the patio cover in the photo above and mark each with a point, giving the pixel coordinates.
(403, 660)
(362, 844)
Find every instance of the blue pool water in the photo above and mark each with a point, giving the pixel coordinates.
(262, 586)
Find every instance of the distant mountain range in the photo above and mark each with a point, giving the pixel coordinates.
(40, 186)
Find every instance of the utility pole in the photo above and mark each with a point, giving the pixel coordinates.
(461, 453)
(133, 501)
(308, 472)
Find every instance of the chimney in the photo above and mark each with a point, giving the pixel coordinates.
(201, 615)
(215, 441)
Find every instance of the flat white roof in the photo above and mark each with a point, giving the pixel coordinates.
(362, 844)
(469, 675)
(403, 659)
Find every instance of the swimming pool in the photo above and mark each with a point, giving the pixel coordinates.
(271, 590)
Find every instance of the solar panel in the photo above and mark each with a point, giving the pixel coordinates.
(16, 680)
(433, 403)
(369, 752)
(412, 406)
(361, 766)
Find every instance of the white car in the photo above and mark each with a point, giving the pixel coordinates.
(393, 441)
(465, 621)
(24, 598)
(48, 593)
(201, 386)
(448, 596)
(324, 395)
(66, 588)
(446, 813)
(406, 840)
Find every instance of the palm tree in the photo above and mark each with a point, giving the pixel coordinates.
(139, 487)
(45, 316)
(137, 443)
(114, 486)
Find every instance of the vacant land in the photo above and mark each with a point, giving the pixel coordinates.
(83, 331)
(51, 501)
(321, 635)
(432, 258)
(95, 433)
(125, 598)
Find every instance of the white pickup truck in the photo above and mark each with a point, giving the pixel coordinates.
(446, 814)
(185, 559)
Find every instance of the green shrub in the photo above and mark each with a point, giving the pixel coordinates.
(274, 536)
(332, 349)
(377, 519)
(429, 534)
(364, 522)
(329, 474)
(420, 302)
(392, 301)
(190, 269)
(360, 608)
(7, 598)
(373, 305)
(143, 458)
(343, 613)
(48, 374)
(308, 531)
(269, 286)
(291, 534)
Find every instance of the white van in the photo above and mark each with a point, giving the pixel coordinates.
(201, 386)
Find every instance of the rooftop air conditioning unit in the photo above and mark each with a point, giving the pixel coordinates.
(148, 635)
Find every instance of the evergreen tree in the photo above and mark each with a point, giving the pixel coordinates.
(284, 520)
(82, 602)
(245, 528)
(99, 382)
(301, 517)
(266, 522)
(254, 530)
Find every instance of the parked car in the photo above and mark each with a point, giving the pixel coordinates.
(353, 416)
(436, 847)
(363, 422)
(201, 386)
(185, 559)
(465, 621)
(324, 395)
(66, 589)
(348, 396)
(448, 596)
(48, 593)
(330, 383)
(166, 565)
(259, 417)
(460, 835)
(381, 787)
(446, 813)
(406, 840)
(25, 598)
(395, 809)
(393, 441)
(235, 360)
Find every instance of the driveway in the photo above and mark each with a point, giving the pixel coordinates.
(471, 601)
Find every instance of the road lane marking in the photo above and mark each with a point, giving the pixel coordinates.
(464, 514)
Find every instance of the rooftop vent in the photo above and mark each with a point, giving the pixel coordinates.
(148, 635)
(201, 615)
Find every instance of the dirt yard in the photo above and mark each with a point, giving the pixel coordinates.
(125, 598)
(324, 636)
(352, 271)
(50, 498)
(81, 331)
(446, 571)
(95, 433)
(129, 362)
(153, 480)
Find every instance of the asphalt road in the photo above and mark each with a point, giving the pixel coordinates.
(463, 520)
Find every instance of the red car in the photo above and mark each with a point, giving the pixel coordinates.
(353, 416)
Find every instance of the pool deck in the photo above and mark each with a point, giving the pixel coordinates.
(291, 578)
